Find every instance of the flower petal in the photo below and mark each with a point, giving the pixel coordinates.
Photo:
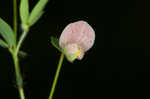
(79, 32)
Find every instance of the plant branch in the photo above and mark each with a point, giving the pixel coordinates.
(56, 76)
(21, 41)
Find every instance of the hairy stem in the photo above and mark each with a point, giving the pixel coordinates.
(56, 76)
(19, 79)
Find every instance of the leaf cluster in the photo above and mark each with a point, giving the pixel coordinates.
(28, 19)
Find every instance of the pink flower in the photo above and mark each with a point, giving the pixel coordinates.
(76, 39)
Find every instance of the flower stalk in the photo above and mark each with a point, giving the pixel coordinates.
(56, 76)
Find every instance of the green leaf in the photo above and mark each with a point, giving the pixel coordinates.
(22, 54)
(55, 43)
(24, 11)
(7, 33)
(3, 44)
(37, 12)
(37, 18)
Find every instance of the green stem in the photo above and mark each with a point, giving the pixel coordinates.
(15, 18)
(21, 41)
(19, 79)
(56, 76)
(15, 57)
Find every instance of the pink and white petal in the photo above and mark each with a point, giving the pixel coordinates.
(81, 55)
(79, 32)
(86, 35)
(66, 36)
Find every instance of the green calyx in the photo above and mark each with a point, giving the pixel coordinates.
(71, 57)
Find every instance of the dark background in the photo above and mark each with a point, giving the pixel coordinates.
(118, 61)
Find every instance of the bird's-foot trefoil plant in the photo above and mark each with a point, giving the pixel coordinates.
(76, 39)
(9, 35)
